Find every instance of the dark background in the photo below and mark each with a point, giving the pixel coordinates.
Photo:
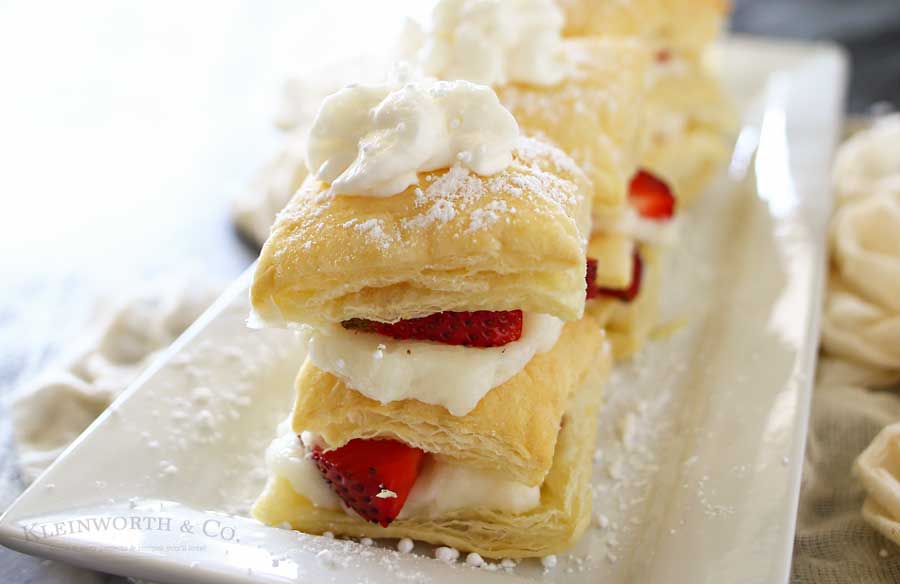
(869, 29)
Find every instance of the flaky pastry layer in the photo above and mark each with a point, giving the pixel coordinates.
(513, 428)
(456, 241)
(682, 25)
(614, 253)
(594, 114)
(554, 526)
(690, 129)
(629, 324)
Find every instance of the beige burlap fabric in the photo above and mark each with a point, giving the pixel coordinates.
(834, 544)
(837, 542)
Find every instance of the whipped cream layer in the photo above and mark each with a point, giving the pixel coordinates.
(631, 224)
(372, 140)
(288, 458)
(455, 377)
(441, 486)
(494, 42)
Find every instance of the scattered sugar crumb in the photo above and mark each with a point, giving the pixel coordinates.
(327, 558)
(446, 554)
(549, 562)
(405, 545)
(166, 468)
(474, 559)
(601, 521)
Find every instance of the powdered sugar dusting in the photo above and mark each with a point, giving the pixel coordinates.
(445, 197)
(459, 192)
(487, 215)
(374, 232)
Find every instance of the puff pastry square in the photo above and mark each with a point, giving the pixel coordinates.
(614, 253)
(683, 25)
(455, 242)
(689, 130)
(630, 324)
(594, 114)
(513, 427)
(552, 527)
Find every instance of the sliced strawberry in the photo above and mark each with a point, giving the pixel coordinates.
(591, 278)
(630, 293)
(482, 328)
(372, 477)
(651, 197)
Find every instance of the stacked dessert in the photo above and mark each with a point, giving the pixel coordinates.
(686, 138)
(471, 241)
(587, 96)
(436, 260)
(689, 121)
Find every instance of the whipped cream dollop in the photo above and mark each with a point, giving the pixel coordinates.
(456, 377)
(494, 42)
(440, 487)
(372, 140)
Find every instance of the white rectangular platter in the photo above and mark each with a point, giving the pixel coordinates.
(698, 466)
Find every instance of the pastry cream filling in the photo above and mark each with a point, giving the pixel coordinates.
(441, 486)
(452, 376)
(631, 224)
(494, 42)
(372, 140)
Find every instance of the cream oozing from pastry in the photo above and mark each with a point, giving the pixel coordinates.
(287, 457)
(372, 140)
(493, 42)
(630, 223)
(452, 376)
(441, 486)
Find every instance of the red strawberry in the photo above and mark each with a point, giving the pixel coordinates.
(482, 328)
(630, 293)
(361, 470)
(591, 279)
(651, 197)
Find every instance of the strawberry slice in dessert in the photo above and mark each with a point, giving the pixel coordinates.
(372, 477)
(590, 278)
(651, 197)
(481, 328)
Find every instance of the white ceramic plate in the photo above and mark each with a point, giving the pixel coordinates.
(701, 441)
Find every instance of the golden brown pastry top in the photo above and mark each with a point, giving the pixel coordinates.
(456, 241)
(594, 114)
(685, 26)
(688, 95)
